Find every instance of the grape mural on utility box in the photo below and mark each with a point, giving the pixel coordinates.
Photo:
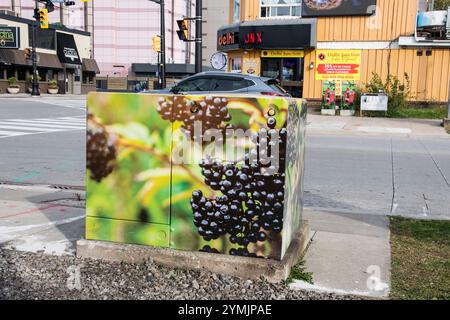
(139, 192)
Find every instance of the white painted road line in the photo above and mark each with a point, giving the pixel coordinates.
(12, 133)
(20, 127)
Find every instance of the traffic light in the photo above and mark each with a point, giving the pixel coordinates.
(156, 43)
(183, 33)
(43, 18)
(27, 52)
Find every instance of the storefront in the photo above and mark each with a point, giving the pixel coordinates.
(306, 44)
(63, 55)
(268, 48)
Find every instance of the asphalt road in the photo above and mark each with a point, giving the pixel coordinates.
(379, 175)
(52, 157)
(373, 174)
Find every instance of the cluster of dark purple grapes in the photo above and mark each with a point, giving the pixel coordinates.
(212, 112)
(252, 201)
(101, 152)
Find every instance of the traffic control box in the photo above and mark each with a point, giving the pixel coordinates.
(220, 174)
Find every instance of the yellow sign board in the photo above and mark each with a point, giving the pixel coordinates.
(282, 54)
(251, 66)
(338, 65)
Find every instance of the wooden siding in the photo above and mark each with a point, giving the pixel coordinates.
(394, 18)
(429, 76)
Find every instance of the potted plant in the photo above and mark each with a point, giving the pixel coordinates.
(30, 80)
(13, 87)
(53, 87)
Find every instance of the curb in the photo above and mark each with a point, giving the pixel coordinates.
(247, 268)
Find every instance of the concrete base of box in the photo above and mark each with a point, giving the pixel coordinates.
(247, 268)
(447, 124)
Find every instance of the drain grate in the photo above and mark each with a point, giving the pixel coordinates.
(63, 187)
(53, 186)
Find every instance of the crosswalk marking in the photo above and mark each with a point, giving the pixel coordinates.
(21, 127)
(37, 125)
(11, 133)
(47, 121)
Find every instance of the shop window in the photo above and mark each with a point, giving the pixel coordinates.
(281, 8)
(10, 72)
(291, 68)
(236, 65)
(50, 75)
(42, 74)
(22, 74)
(271, 68)
(2, 73)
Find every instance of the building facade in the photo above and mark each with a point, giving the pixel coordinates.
(215, 15)
(122, 31)
(64, 56)
(319, 39)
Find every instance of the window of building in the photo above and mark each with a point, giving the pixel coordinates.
(237, 11)
(10, 72)
(236, 64)
(45, 38)
(21, 74)
(42, 74)
(2, 73)
(281, 8)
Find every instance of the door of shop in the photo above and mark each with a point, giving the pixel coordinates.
(289, 71)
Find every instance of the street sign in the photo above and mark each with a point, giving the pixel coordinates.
(9, 38)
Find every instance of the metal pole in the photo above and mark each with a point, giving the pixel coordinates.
(86, 17)
(198, 36)
(158, 71)
(35, 84)
(61, 14)
(163, 46)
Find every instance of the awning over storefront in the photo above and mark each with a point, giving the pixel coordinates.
(67, 49)
(90, 65)
(268, 34)
(18, 58)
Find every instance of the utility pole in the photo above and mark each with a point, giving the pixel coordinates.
(162, 63)
(198, 36)
(163, 46)
(35, 85)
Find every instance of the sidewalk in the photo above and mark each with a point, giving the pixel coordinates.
(349, 254)
(375, 126)
(43, 96)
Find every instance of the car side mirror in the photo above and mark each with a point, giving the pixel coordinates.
(175, 89)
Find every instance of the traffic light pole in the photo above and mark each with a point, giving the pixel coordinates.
(35, 84)
(198, 36)
(163, 46)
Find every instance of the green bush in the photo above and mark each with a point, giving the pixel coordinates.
(12, 82)
(30, 78)
(53, 84)
(441, 4)
(397, 91)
